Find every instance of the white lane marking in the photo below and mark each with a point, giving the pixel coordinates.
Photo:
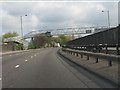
(10, 55)
(35, 55)
(0, 79)
(26, 60)
(17, 66)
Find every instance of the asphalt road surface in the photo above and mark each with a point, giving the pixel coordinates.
(44, 68)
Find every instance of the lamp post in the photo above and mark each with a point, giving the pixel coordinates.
(22, 28)
(108, 18)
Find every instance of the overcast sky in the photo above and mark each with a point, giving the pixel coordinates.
(51, 15)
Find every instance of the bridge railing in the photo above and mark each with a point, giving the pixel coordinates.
(17, 40)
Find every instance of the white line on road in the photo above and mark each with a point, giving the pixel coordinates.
(10, 55)
(35, 55)
(17, 66)
(26, 60)
(0, 79)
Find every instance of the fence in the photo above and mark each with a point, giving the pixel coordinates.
(96, 42)
(92, 45)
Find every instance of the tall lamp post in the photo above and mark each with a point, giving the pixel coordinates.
(108, 18)
(22, 28)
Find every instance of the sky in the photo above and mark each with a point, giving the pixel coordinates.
(44, 15)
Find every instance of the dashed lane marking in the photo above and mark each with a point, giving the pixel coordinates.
(26, 60)
(17, 66)
(0, 79)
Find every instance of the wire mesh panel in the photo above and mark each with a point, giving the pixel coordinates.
(108, 37)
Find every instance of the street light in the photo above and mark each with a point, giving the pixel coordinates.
(108, 18)
(22, 28)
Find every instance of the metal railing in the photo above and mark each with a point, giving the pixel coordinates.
(108, 57)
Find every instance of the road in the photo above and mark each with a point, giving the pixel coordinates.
(44, 68)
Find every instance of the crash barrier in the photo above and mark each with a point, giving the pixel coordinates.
(109, 57)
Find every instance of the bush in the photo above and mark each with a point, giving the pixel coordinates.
(31, 46)
(19, 47)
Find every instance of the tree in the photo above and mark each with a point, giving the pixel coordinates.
(65, 39)
(41, 41)
(44, 41)
(10, 34)
(19, 46)
(57, 40)
(31, 46)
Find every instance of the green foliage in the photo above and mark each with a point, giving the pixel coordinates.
(19, 46)
(65, 39)
(62, 39)
(40, 41)
(57, 40)
(31, 46)
(44, 41)
(10, 34)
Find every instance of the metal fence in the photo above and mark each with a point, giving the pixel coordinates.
(97, 41)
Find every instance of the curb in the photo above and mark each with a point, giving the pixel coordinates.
(11, 52)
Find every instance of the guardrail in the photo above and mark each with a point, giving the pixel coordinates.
(109, 57)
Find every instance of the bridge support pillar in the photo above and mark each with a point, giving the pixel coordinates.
(32, 39)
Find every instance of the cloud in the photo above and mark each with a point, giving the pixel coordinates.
(9, 22)
(56, 15)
